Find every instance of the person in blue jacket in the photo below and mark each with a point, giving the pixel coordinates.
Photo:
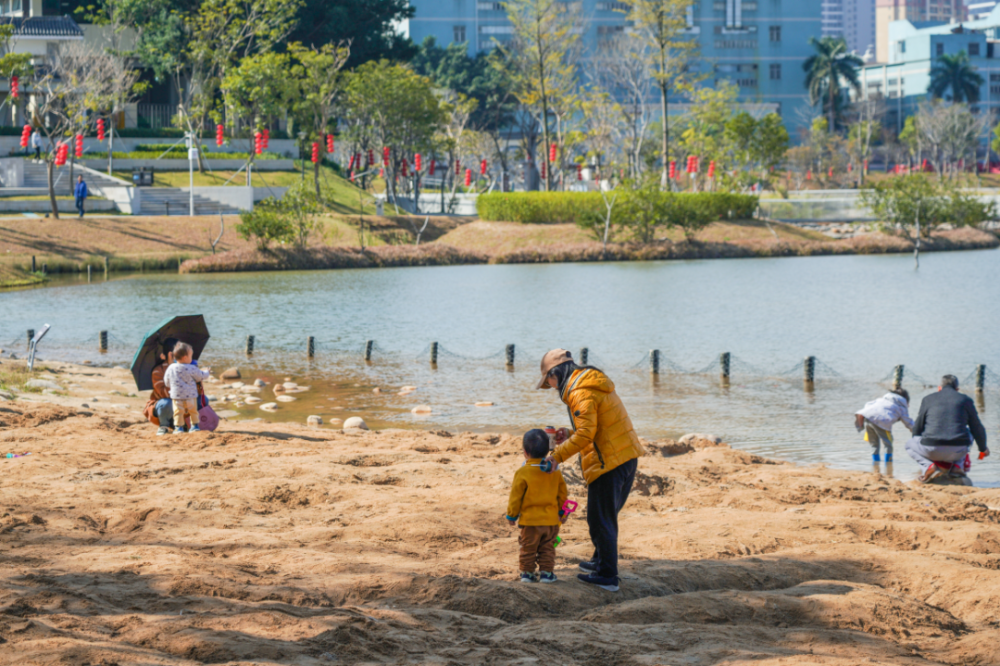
(80, 192)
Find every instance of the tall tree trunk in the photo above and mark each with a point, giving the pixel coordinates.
(916, 245)
(833, 90)
(664, 134)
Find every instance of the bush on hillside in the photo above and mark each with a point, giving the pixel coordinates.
(581, 207)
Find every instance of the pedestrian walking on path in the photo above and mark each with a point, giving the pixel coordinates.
(81, 194)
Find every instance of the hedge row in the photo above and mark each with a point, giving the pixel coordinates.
(574, 207)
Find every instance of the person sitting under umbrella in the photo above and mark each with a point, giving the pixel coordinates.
(160, 408)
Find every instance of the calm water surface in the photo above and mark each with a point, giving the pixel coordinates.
(858, 315)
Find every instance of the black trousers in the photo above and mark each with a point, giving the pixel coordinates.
(605, 498)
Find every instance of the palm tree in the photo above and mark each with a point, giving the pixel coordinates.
(957, 73)
(829, 70)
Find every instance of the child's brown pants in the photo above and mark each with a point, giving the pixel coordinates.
(538, 544)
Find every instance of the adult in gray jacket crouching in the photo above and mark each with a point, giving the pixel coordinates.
(945, 429)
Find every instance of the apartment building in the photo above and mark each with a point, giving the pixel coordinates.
(887, 11)
(758, 45)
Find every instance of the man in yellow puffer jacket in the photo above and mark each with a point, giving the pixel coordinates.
(609, 450)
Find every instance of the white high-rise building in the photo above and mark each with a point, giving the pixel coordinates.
(980, 9)
(854, 20)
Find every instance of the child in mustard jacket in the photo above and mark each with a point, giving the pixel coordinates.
(535, 501)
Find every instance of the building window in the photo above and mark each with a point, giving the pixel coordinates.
(938, 49)
(735, 44)
(458, 34)
(490, 6)
(974, 49)
(606, 31)
(775, 32)
(613, 7)
(775, 72)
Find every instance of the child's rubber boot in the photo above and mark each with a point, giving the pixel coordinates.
(875, 458)
(888, 457)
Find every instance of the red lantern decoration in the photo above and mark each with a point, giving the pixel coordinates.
(100, 129)
(809, 174)
(385, 157)
(25, 136)
(711, 169)
(831, 172)
(266, 139)
(458, 167)
(433, 167)
(579, 172)
(850, 167)
(371, 157)
(62, 152)
(381, 173)
(15, 87)
(866, 165)
(468, 177)
(405, 166)
(315, 153)
(79, 146)
(418, 163)
(543, 170)
(329, 143)
(220, 134)
(482, 168)
(257, 143)
(552, 152)
(350, 175)
(673, 169)
(350, 165)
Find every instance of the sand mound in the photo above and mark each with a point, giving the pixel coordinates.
(294, 545)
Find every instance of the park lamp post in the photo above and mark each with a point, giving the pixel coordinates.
(192, 156)
(302, 153)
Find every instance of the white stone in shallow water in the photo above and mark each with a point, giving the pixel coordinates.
(314, 420)
(228, 414)
(422, 409)
(355, 422)
(270, 406)
(290, 385)
(259, 382)
(237, 385)
(252, 400)
(286, 398)
(249, 389)
(335, 422)
(231, 373)
(484, 404)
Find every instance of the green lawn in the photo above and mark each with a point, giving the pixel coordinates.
(345, 194)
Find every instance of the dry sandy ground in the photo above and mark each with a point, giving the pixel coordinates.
(265, 544)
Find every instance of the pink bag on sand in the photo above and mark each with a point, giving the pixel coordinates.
(207, 418)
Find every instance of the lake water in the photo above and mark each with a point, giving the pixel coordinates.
(859, 315)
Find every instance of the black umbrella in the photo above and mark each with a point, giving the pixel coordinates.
(189, 328)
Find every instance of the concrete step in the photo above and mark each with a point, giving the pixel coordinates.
(175, 201)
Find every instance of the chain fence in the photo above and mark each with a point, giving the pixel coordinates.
(109, 348)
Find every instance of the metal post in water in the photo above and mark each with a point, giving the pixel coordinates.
(654, 361)
(509, 353)
(89, 278)
(250, 339)
(106, 266)
(434, 353)
(32, 263)
(897, 377)
(584, 355)
(980, 378)
(31, 334)
(103, 337)
(311, 346)
(369, 345)
(724, 362)
(809, 372)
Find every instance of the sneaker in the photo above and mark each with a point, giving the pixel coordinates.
(529, 577)
(588, 567)
(547, 577)
(609, 584)
(194, 428)
(875, 458)
(164, 430)
(931, 473)
(179, 430)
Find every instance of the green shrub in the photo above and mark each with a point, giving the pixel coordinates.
(267, 222)
(579, 207)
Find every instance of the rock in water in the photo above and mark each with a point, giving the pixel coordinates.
(270, 406)
(278, 388)
(252, 400)
(231, 373)
(376, 390)
(355, 422)
(335, 422)
(286, 398)
(484, 404)
(291, 385)
(314, 420)
(421, 409)
(698, 440)
(259, 382)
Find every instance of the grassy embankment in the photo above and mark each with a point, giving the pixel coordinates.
(508, 242)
